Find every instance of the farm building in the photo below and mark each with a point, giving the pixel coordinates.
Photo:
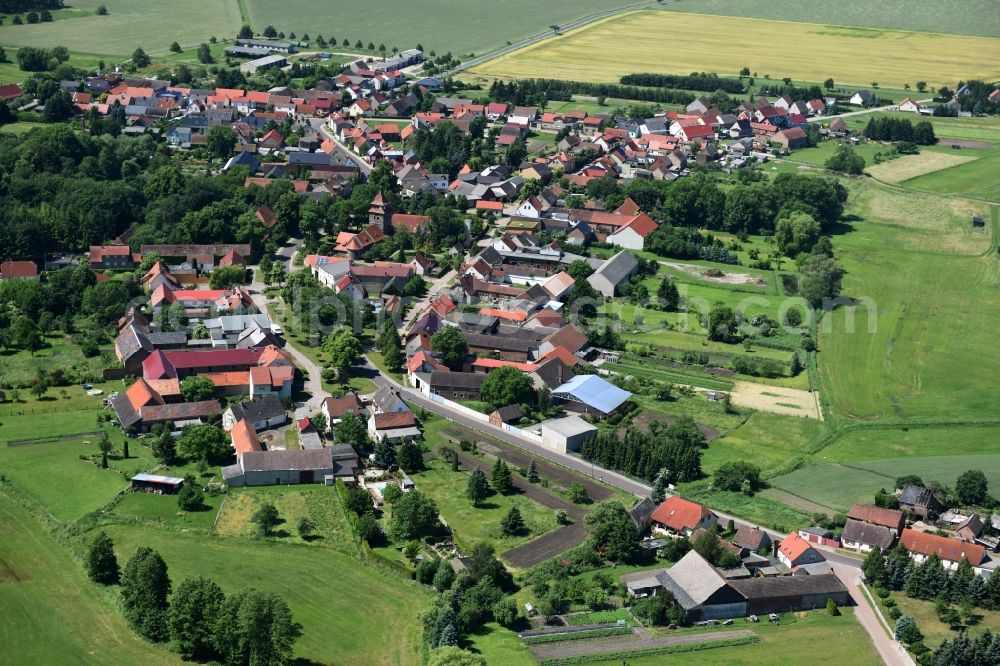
(161, 485)
(261, 64)
(705, 594)
(394, 427)
(751, 538)
(918, 501)
(566, 434)
(590, 394)
(266, 468)
(264, 412)
(864, 537)
(612, 273)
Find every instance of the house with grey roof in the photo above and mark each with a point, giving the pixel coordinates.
(262, 413)
(613, 272)
(270, 468)
(864, 537)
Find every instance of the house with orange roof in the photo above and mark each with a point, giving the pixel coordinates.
(795, 551)
(244, 438)
(922, 545)
(632, 235)
(18, 270)
(677, 515)
(353, 244)
(486, 365)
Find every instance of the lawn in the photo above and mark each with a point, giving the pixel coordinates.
(150, 24)
(935, 631)
(163, 510)
(50, 610)
(782, 644)
(351, 613)
(758, 509)
(803, 51)
(442, 25)
(499, 645)
(481, 523)
(921, 342)
(60, 353)
(318, 503)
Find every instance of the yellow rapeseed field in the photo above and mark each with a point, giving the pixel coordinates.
(678, 43)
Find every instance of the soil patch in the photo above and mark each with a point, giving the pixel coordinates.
(565, 649)
(716, 275)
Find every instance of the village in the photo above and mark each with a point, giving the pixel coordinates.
(478, 345)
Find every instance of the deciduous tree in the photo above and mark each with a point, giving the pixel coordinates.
(102, 565)
(193, 616)
(144, 589)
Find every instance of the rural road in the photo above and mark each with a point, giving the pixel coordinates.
(318, 124)
(891, 652)
(874, 109)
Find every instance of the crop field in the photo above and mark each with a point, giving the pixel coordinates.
(50, 610)
(973, 17)
(351, 613)
(835, 486)
(151, 24)
(770, 441)
(911, 166)
(444, 25)
(877, 443)
(680, 43)
(921, 343)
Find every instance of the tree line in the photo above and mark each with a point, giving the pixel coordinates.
(709, 82)
(21, 6)
(198, 618)
(676, 447)
(886, 128)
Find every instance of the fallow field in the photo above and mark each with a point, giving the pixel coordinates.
(680, 43)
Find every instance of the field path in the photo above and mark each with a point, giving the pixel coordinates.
(777, 399)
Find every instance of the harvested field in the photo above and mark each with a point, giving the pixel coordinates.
(546, 546)
(680, 43)
(911, 166)
(776, 399)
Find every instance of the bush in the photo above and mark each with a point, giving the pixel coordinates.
(895, 613)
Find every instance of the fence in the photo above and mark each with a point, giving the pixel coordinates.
(526, 434)
(450, 404)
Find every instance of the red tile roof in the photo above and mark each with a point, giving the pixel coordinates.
(875, 515)
(18, 269)
(497, 363)
(793, 547)
(678, 514)
(337, 407)
(951, 550)
(512, 315)
(244, 438)
(394, 420)
(412, 223)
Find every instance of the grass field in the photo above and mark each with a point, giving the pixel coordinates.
(444, 25)
(447, 488)
(769, 441)
(351, 613)
(961, 17)
(163, 510)
(318, 503)
(874, 444)
(51, 611)
(150, 24)
(803, 51)
(935, 631)
(68, 487)
(930, 353)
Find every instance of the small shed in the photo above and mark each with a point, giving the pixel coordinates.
(160, 485)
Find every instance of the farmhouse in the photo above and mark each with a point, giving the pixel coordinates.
(393, 427)
(751, 538)
(864, 537)
(889, 518)
(680, 516)
(792, 138)
(335, 408)
(918, 501)
(951, 551)
(262, 413)
(795, 551)
(265, 468)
